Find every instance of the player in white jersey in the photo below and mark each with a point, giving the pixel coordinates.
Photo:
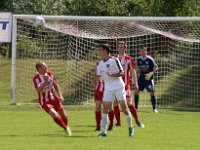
(111, 71)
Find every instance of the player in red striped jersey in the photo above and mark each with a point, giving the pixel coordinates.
(49, 95)
(98, 96)
(127, 63)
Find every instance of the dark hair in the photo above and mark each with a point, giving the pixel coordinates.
(122, 42)
(144, 48)
(38, 65)
(106, 47)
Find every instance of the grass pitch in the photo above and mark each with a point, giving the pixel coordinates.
(30, 128)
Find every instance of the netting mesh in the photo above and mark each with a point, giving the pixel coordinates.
(70, 49)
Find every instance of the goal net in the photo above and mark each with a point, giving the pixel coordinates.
(69, 46)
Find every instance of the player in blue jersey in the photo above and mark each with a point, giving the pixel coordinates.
(146, 67)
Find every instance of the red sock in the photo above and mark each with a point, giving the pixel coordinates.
(117, 114)
(60, 122)
(65, 120)
(134, 112)
(111, 117)
(98, 118)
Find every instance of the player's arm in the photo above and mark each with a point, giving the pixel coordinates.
(41, 87)
(155, 68)
(134, 75)
(97, 73)
(94, 77)
(118, 66)
(137, 68)
(57, 88)
(120, 74)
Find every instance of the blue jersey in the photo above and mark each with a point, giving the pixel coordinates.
(146, 65)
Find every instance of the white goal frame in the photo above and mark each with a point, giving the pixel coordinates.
(14, 34)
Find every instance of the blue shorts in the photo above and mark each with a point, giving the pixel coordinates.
(149, 85)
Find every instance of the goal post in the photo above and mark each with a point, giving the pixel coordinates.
(69, 46)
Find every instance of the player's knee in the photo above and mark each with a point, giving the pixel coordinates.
(115, 103)
(136, 93)
(98, 108)
(129, 101)
(124, 109)
(53, 113)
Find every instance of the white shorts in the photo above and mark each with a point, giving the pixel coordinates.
(119, 94)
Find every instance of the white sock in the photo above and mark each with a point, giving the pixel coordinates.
(129, 120)
(104, 122)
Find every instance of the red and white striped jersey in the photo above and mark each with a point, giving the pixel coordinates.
(100, 83)
(127, 63)
(49, 93)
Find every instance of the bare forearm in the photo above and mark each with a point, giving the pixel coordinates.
(41, 87)
(155, 68)
(120, 74)
(57, 88)
(134, 76)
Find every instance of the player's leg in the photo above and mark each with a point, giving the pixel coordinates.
(153, 101)
(132, 108)
(121, 97)
(107, 105)
(51, 111)
(111, 118)
(117, 112)
(98, 114)
(64, 117)
(136, 94)
(57, 103)
(150, 89)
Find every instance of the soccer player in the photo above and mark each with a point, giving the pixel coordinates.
(127, 63)
(146, 68)
(111, 71)
(49, 95)
(98, 96)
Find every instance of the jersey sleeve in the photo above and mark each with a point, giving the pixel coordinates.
(52, 74)
(99, 72)
(153, 61)
(36, 82)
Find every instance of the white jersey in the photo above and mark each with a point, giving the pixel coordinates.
(112, 65)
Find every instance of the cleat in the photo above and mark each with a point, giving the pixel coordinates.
(118, 124)
(102, 134)
(110, 127)
(98, 129)
(68, 131)
(131, 131)
(139, 124)
(155, 111)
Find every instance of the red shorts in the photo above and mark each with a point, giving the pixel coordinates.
(98, 96)
(128, 92)
(56, 104)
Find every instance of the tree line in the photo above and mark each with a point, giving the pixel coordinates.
(103, 7)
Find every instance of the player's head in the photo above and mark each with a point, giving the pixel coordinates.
(104, 50)
(143, 52)
(121, 47)
(41, 67)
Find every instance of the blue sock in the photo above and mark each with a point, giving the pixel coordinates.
(136, 101)
(153, 101)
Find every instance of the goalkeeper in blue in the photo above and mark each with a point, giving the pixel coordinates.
(146, 67)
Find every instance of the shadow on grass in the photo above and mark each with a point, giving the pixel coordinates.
(80, 126)
(47, 135)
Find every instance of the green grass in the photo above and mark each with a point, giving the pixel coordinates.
(30, 128)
